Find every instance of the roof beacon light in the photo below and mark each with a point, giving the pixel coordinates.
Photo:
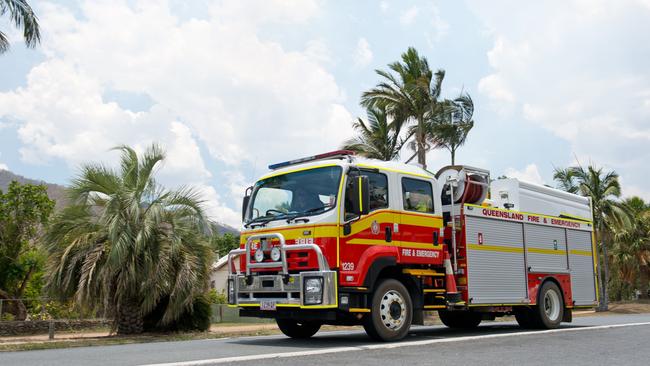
(331, 154)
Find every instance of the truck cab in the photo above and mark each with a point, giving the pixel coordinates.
(339, 239)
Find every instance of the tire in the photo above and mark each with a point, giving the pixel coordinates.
(459, 319)
(549, 311)
(294, 329)
(391, 313)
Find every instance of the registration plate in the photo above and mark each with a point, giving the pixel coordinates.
(268, 305)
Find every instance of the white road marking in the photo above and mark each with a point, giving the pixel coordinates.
(385, 345)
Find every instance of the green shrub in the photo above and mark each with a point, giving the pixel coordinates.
(196, 318)
(217, 297)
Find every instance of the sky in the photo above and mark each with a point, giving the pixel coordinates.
(229, 87)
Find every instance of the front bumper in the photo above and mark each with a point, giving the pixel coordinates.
(282, 289)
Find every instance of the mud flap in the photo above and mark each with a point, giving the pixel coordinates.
(568, 315)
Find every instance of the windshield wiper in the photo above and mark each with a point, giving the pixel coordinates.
(300, 216)
(263, 220)
(259, 221)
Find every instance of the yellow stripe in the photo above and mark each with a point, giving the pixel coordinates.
(546, 251)
(435, 306)
(358, 310)
(360, 196)
(417, 220)
(586, 253)
(421, 272)
(295, 232)
(406, 244)
(478, 305)
(435, 290)
(495, 248)
(395, 171)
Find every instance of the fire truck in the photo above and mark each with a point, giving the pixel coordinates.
(343, 240)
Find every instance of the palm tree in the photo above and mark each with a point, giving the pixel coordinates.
(126, 243)
(379, 138)
(449, 126)
(603, 188)
(409, 89)
(632, 245)
(22, 16)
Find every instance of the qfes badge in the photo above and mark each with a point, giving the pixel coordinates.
(374, 227)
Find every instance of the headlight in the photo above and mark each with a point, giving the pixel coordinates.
(259, 255)
(275, 254)
(313, 288)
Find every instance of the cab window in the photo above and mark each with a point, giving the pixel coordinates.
(417, 195)
(378, 184)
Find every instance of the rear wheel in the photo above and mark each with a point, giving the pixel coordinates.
(294, 329)
(391, 314)
(460, 319)
(549, 311)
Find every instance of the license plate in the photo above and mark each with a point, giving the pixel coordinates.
(268, 305)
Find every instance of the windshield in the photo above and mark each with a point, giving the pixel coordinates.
(303, 193)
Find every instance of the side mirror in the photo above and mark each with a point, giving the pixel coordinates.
(358, 195)
(244, 204)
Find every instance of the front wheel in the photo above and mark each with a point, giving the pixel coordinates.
(391, 314)
(294, 329)
(460, 319)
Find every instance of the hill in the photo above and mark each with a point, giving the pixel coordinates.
(54, 191)
(57, 193)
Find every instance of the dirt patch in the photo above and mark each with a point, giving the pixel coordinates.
(636, 307)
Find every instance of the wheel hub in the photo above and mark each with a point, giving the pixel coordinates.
(552, 305)
(392, 310)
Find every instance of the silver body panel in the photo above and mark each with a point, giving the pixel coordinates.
(583, 281)
(496, 277)
(513, 247)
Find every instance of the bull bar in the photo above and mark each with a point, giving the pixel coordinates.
(283, 288)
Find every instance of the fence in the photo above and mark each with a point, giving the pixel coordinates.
(44, 316)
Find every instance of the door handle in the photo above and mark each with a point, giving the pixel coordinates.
(389, 235)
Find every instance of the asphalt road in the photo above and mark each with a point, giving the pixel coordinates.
(593, 340)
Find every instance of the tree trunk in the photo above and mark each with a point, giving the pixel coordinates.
(644, 278)
(453, 157)
(604, 303)
(130, 319)
(599, 275)
(420, 137)
(23, 285)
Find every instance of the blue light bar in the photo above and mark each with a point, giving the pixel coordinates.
(331, 154)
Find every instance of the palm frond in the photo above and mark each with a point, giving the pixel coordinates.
(22, 16)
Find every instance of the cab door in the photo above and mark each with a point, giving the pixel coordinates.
(361, 234)
(420, 220)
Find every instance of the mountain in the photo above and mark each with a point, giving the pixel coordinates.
(54, 191)
(57, 193)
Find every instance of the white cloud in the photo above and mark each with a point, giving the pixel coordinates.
(408, 16)
(529, 174)
(363, 55)
(440, 26)
(384, 5)
(212, 82)
(318, 51)
(576, 69)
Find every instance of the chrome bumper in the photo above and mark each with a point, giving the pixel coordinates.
(282, 289)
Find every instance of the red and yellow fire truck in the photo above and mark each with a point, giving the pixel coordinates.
(339, 239)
